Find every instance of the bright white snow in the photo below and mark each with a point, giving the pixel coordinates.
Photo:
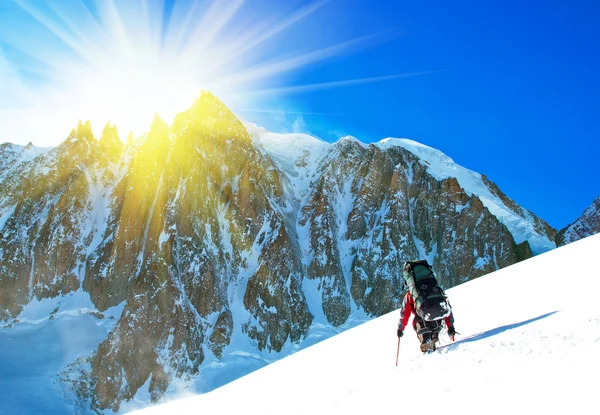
(530, 343)
(298, 155)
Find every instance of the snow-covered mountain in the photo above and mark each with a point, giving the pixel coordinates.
(587, 224)
(300, 155)
(523, 224)
(526, 346)
(209, 248)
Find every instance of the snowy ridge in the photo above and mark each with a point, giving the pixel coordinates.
(14, 155)
(298, 155)
(441, 167)
(354, 140)
(553, 337)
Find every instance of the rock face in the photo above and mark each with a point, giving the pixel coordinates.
(371, 209)
(52, 209)
(586, 225)
(204, 230)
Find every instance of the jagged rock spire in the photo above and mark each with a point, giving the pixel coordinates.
(83, 130)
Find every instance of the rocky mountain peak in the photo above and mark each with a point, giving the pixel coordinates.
(586, 225)
(109, 135)
(83, 130)
(110, 142)
(209, 118)
(158, 127)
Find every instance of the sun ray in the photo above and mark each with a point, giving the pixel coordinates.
(261, 32)
(115, 28)
(274, 27)
(266, 111)
(86, 42)
(287, 64)
(216, 18)
(154, 21)
(337, 84)
(179, 25)
(55, 29)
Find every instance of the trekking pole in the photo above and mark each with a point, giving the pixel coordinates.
(398, 351)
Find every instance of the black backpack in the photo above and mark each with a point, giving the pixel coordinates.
(430, 301)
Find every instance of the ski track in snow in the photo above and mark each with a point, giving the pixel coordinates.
(526, 346)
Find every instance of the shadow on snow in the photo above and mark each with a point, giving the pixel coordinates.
(493, 332)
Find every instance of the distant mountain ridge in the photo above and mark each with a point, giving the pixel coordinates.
(586, 225)
(218, 237)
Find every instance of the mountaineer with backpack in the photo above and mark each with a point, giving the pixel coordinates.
(426, 299)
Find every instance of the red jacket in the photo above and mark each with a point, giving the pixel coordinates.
(408, 307)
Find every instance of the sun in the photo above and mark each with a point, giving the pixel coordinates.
(129, 94)
(125, 61)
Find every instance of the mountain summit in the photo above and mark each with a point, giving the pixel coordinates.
(209, 247)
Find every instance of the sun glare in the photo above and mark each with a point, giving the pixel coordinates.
(129, 96)
(122, 62)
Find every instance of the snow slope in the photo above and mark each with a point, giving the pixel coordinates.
(441, 167)
(38, 347)
(526, 346)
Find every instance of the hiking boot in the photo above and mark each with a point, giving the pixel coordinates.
(428, 347)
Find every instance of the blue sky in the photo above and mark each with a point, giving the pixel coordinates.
(518, 97)
(508, 89)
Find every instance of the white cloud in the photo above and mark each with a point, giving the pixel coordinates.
(299, 126)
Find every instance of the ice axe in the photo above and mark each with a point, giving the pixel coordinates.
(398, 351)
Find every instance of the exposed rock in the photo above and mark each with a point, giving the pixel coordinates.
(524, 251)
(586, 225)
(52, 201)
